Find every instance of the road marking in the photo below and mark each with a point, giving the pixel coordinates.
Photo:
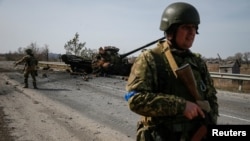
(235, 117)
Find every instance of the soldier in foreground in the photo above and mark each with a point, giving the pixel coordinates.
(29, 68)
(169, 86)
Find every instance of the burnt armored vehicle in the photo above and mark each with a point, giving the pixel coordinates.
(77, 63)
(106, 62)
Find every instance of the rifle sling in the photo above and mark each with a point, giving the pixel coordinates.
(174, 66)
(170, 57)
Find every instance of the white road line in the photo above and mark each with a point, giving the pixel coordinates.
(235, 117)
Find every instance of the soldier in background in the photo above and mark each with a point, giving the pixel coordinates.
(100, 62)
(106, 61)
(30, 67)
(169, 112)
(105, 58)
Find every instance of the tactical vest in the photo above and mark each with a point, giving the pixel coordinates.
(169, 84)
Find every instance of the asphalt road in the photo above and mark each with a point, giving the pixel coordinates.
(101, 99)
(104, 96)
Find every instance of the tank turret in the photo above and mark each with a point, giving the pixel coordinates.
(109, 61)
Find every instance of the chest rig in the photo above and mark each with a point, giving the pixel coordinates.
(167, 80)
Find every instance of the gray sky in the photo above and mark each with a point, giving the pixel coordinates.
(126, 24)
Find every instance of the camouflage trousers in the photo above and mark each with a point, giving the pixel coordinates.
(33, 74)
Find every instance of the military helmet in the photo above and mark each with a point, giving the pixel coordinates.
(178, 13)
(28, 51)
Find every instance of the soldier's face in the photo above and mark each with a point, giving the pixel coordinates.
(185, 35)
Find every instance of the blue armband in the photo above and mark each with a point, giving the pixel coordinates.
(129, 95)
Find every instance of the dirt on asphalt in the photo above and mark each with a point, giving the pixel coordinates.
(27, 115)
(5, 130)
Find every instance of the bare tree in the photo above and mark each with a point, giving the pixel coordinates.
(246, 57)
(88, 53)
(20, 50)
(40, 53)
(239, 56)
(230, 58)
(73, 46)
(46, 52)
(33, 46)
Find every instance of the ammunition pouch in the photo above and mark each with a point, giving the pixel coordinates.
(144, 133)
(152, 133)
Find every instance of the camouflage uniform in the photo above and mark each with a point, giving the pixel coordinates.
(30, 68)
(101, 62)
(108, 62)
(160, 97)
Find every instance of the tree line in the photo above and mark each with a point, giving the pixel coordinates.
(75, 47)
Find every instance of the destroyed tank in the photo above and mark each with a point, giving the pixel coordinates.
(77, 63)
(109, 61)
(113, 64)
(106, 62)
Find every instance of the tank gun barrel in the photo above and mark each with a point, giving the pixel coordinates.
(149, 44)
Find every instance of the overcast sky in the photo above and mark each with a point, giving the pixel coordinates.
(126, 24)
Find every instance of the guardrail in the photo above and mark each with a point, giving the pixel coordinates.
(239, 77)
(232, 76)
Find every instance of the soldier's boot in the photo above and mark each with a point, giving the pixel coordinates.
(34, 85)
(25, 83)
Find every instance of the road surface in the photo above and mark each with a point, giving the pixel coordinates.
(65, 107)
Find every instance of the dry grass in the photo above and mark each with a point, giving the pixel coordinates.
(231, 85)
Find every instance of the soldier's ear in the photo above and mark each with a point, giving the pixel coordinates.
(170, 37)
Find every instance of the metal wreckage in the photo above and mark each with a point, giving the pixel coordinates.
(105, 63)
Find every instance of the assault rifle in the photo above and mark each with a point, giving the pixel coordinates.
(186, 75)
